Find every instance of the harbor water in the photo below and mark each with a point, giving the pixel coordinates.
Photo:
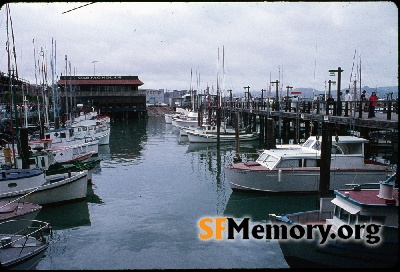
(145, 202)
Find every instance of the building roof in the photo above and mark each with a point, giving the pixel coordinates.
(100, 80)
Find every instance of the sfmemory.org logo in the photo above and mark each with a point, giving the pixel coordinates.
(225, 228)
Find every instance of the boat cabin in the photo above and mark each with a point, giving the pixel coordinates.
(308, 154)
(366, 206)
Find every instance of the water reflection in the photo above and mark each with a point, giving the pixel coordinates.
(91, 197)
(259, 205)
(126, 142)
(66, 216)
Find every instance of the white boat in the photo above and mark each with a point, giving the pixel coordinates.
(64, 152)
(364, 222)
(92, 128)
(46, 190)
(171, 116)
(208, 134)
(189, 120)
(23, 248)
(65, 137)
(295, 168)
(20, 179)
(195, 137)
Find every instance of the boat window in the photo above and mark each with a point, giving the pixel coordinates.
(351, 148)
(362, 219)
(337, 211)
(317, 145)
(262, 157)
(289, 164)
(344, 215)
(311, 163)
(12, 185)
(268, 160)
(352, 219)
(63, 135)
(336, 150)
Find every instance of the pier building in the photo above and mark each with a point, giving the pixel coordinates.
(117, 96)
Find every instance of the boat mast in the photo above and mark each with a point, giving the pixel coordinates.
(11, 86)
(70, 92)
(65, 86)
(55, 87)
(36, 87)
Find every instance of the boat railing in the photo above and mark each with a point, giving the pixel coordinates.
(21, 197)
(37, 229)
(310, 216)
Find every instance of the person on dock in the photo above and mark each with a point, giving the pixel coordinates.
(363, 99)
(347, 101)
(372, 104)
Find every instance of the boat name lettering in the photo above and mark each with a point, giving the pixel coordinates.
(225, 228)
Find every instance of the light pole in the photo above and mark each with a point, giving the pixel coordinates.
(94, 67)
(339, 103)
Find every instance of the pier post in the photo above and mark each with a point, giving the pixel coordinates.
(270, 135)
(261, 128)
(325, 167)
(307, 129)
(286, 130)
(254, 122)
(23, 134)
(237, 156)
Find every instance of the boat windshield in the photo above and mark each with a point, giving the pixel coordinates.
(308, 143)
(267, 160)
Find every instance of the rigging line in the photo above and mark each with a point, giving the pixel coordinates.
(13, 41)
(78, 7)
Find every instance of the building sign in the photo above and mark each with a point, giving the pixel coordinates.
(98, 77)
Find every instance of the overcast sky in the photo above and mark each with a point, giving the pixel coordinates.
(175, 46)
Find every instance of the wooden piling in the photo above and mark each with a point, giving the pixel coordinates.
(325, 161)
(23, 134)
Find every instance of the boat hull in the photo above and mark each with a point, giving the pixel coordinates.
(340, 254)
(104, 139)
(23, 258)
(212, 138)
(58, 188)
(297, 181)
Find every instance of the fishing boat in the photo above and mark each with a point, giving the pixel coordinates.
(62, 152)
(189, 120)
(92, 128)
(44, 190)
(19, 211)
(364, 222)
(75, 166)
(296, 168)
(22, 249)
(195, 137)
(208, 134)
